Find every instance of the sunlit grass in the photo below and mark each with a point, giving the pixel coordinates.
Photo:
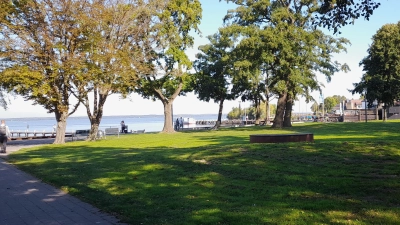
(349, 175)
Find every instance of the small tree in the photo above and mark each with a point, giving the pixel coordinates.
(381, 80)
(329, 103)
(315, 108)
(339, 98)
(214, 70)
(234, 113)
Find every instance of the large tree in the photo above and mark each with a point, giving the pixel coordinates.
(288, 46)
(80, 48)
(381, 81)
(40, 50)
(120, 35)
(170, 80)
(214, 69)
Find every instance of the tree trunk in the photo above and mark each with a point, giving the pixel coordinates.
(168, 123)
(221, 107)
(267, 105)
(384, 113)
(258, 112)
(94, 128)
(99, 99)
(61, 118)
(287, 121)
(280, 110)
(268, 111)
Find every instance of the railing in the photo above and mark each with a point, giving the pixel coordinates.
(19, 135)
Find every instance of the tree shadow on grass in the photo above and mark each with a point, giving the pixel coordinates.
(372, 131)
(228, 182)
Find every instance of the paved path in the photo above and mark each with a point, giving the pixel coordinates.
(24, 200)
(16, 145)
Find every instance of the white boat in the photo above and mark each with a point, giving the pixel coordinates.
(187, 121)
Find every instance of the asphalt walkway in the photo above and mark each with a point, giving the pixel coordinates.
(25, 200)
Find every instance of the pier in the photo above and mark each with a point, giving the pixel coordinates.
(28, 135)
(227, 123)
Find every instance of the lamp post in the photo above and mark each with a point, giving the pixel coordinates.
(323, 106)
(240, 111)
(365, 105)
(245, 118)
(172, 115)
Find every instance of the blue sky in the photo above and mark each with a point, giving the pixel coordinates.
(359, 34)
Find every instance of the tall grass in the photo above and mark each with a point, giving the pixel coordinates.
(349, 175)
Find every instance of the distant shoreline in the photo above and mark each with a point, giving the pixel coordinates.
(127, 116)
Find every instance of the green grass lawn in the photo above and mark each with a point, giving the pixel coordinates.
(349, 175)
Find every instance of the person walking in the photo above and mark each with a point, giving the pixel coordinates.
(4, 136)
(122, 126)
(177, 124)
(181, 123)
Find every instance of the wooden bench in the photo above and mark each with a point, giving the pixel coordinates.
(278, 138)
(111, 131)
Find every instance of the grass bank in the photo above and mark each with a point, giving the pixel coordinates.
(349, 175)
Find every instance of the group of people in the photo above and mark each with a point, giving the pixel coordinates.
(4, 136)
(178, 123)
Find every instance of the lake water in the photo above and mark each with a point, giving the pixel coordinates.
(150, 123)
